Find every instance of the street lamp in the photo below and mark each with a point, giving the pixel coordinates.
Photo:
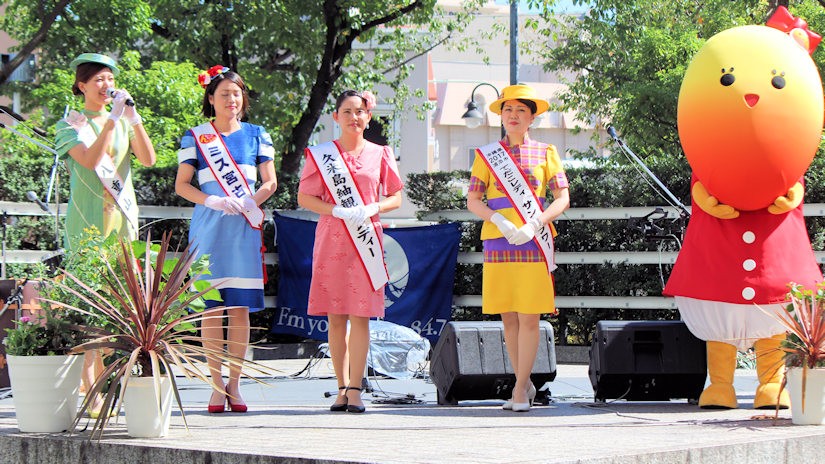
(473, 117)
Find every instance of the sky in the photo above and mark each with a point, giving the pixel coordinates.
(562, 6)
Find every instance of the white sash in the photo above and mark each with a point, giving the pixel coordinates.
(226, 172)
(510, 176)
(341, 186)
(122, 192)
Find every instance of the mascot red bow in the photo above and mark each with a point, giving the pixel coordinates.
(750, 120)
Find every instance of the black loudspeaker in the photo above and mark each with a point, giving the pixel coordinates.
(646, 361)
(7, 287)
(470, 362)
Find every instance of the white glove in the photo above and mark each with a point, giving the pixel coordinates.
(343, 213)
(223, 204)
(526, 232)
(359, 215)
(372, 209)
(235, 205)
(118, 106)
(506, 227)
(249, 204)
(130, 112)
(363, 212)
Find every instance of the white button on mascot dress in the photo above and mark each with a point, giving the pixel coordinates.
(750, 120)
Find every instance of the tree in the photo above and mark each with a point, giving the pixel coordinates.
(49, 14)
(628, 58)
(292, 53)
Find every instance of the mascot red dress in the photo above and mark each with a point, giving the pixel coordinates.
(750, 120)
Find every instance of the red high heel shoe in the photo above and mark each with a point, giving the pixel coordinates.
(217, 408)
(236, 407)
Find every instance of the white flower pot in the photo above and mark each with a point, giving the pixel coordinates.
(45, 391)
(807, 408)
(147, 414)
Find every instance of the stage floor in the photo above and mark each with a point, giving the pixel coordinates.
(288, 422)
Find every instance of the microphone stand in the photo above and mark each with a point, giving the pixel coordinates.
(52, 178)
(683, 211)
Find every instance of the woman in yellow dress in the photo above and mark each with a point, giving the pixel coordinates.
(516, 283)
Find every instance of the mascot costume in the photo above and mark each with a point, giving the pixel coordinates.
(750, 119)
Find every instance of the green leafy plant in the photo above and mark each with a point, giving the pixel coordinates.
(48, 335)
(147, 325)
(804, 320)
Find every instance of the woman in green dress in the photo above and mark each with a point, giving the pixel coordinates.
(96, 144)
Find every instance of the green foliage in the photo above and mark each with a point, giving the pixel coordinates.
(142, 320)
(627, 60)
(804, 320)
(53, 333)
(292, 54)
(438, 191)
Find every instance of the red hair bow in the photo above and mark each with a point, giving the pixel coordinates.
(797, 28)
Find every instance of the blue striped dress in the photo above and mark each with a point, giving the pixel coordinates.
(233, 246)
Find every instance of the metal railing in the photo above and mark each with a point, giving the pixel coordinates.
(154, 213)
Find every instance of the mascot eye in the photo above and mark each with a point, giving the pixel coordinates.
(778, 82)
(727, 79)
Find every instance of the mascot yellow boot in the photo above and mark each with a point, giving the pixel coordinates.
(721, 366)
(770, 367)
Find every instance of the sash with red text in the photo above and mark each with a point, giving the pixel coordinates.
(514, 181)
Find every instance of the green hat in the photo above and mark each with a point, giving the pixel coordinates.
(95, 58)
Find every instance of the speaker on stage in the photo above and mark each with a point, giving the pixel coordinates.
(470, 362)
(646, 361)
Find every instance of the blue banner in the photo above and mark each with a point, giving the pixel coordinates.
(421, 263)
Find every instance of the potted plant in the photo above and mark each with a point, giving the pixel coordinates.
(804, 353)
(143, 319)
(45, 378)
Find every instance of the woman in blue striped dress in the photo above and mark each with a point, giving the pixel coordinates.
(220, 226)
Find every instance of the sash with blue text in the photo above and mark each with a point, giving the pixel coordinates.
(226, 172)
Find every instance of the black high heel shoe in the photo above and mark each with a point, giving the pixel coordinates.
(353, 407)
(340, 407)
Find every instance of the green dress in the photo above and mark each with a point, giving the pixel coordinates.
(89, 203)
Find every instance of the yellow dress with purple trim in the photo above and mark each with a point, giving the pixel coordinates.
(515, 278)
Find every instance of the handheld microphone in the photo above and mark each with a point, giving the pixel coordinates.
(111, 92)
(33, 197)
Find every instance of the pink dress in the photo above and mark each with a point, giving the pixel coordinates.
(340, 284)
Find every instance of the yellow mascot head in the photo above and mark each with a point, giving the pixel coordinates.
(751, 111)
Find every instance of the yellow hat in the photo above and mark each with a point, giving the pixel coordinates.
(519, 92)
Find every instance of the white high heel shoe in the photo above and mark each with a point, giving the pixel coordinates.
(523, 407)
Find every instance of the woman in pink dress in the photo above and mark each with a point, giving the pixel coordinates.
(341, 287)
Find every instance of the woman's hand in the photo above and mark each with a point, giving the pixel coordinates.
(229, 206)
(130, 111)
(118, 106)
(507, 228)
(526, 232)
